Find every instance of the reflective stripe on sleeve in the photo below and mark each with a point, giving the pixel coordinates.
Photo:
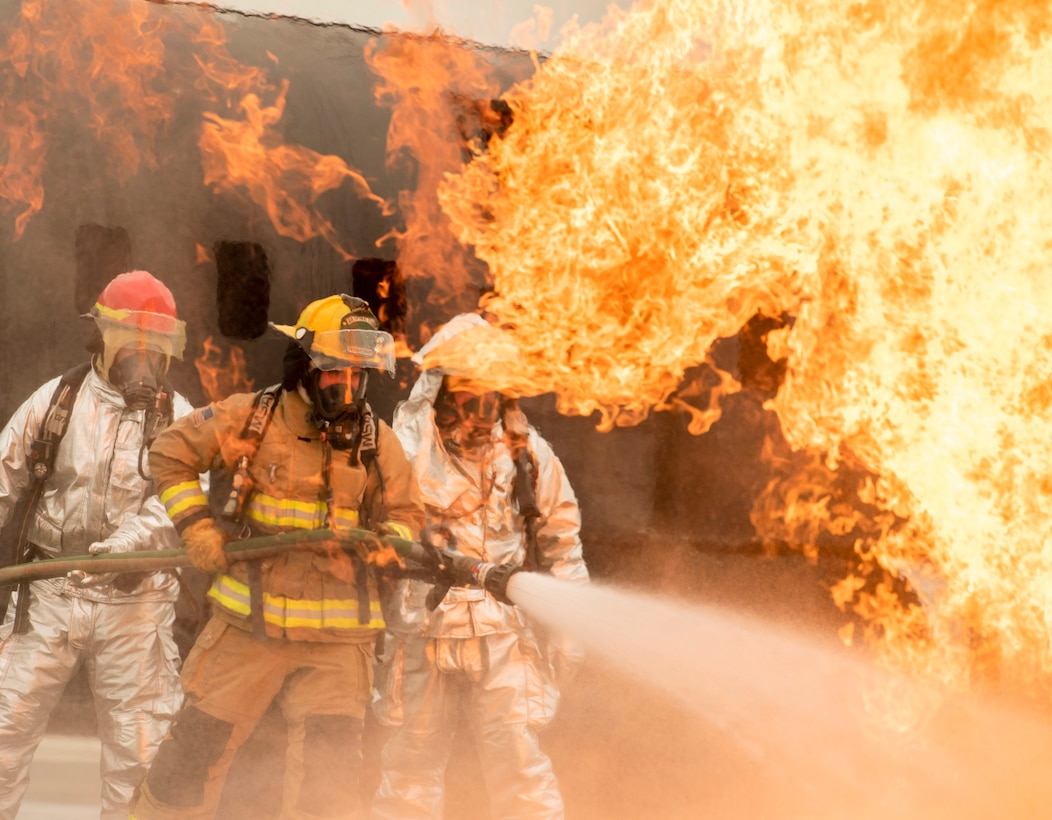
(182, 499)
(287, 613)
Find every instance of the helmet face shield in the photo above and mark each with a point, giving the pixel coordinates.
(138, 330)
(341, 331)
(141, 333)
(352, 348)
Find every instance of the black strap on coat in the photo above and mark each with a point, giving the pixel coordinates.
(241, 487)
(40, 462)
(524, 484)
(365, 451)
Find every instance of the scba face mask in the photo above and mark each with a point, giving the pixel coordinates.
(337, 397)
(138, 373)
(467, 418)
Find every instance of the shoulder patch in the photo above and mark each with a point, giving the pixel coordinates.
(201, 415)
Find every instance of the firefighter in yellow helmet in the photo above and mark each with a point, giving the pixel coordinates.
(299, 628)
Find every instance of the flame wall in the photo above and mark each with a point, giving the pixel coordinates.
(214, 75)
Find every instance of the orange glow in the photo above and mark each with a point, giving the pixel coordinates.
(249, 156)
(384, 556)
(223, 80)
(284, 179)
(435, 88)
(101, 62)
(878, 173)
(222, 373)
(24, 154)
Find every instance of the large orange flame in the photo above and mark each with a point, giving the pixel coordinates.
(101, 62)
(222, 372)
(104, 64)
(285, 179)
(437, 89)
(876, 173)
(619, 216)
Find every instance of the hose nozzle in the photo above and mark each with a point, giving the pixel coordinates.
(494, 579)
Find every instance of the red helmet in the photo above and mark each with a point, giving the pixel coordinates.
(138, 299)
(137, 310)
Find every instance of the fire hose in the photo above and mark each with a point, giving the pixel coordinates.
(444, 567)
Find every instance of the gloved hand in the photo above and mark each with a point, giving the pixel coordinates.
(204, 546)
(395, 530)
(108, 546)
(81, 579)
(114, 544)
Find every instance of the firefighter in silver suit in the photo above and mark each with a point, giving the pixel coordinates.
(95, 499)
(465, 439)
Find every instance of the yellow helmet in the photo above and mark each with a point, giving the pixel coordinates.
(341, 331)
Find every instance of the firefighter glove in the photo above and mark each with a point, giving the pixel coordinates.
(395, 530)
(81, 579)
(204, 546)
(114, 544)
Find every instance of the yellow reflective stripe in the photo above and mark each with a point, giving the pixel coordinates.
(111, 313)
(401, 530)
(328, 613)
(290, 513)
(179, 498)
(346, 519)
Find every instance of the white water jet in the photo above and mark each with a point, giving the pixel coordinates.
(812, 714)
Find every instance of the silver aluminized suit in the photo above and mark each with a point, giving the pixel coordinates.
(473, 649)
(123, 638)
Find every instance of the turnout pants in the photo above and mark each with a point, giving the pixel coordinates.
(132, 666)
(507, 691)
(230, 679)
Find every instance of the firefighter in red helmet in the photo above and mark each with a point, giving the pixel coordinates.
(75, 454)
(300, 628)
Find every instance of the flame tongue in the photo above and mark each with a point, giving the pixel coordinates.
(221, 369)
(635, 210)
(285, 179)
(107, 75)
(435, 88)
(687, 164)
(104, 64)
